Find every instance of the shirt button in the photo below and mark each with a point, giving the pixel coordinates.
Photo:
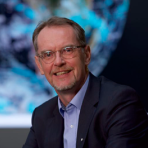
(71, 126)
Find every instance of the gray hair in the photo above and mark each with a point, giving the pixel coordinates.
(59, 21)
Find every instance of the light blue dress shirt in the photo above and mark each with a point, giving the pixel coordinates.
(70, 113)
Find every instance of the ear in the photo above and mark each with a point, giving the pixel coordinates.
(87, 54)
(39, 65)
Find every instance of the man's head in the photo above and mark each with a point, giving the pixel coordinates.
(61, 53)
(58, 21)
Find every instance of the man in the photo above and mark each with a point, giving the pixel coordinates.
(88, 112)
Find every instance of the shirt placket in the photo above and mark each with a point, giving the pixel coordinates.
(70, 127)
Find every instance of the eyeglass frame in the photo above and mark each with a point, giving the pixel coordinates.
(54, 55)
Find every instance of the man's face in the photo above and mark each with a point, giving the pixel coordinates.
(62, 74)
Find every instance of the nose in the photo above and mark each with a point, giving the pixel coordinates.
(59, 61)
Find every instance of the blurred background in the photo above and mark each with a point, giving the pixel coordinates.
(116, 31)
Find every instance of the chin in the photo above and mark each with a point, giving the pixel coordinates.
(64, 87)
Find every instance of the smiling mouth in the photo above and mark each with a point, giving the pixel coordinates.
(62, 72)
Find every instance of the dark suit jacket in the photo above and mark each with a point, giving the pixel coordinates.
(111, 117)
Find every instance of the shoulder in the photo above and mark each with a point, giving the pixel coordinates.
(52, 102)
(47, 107)
(115, 97)
(111, 92)
(113, 87)
(117, 92)
(109, 87)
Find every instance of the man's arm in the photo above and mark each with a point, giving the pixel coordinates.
(127, 123)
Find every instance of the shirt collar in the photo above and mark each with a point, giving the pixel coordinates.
(78, 98)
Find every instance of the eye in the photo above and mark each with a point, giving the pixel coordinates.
(47, 54)
(68, 50)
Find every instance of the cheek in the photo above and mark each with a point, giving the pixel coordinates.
(47, 71)
(79, 69)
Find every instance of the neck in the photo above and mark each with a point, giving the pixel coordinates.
(66, 97)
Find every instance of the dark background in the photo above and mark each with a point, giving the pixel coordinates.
(128, 65)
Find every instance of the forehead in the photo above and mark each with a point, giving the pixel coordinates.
(57, 35)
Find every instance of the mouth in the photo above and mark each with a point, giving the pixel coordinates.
(62, 72)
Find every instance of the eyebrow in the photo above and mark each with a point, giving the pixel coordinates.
(69, 45)
(45, 51)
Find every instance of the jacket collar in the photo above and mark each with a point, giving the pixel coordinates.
(88, 109)
(54, 130)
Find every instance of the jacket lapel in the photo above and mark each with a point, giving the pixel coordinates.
(87, 110)
(54, 130)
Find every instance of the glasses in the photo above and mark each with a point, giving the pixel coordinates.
(66, 52)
